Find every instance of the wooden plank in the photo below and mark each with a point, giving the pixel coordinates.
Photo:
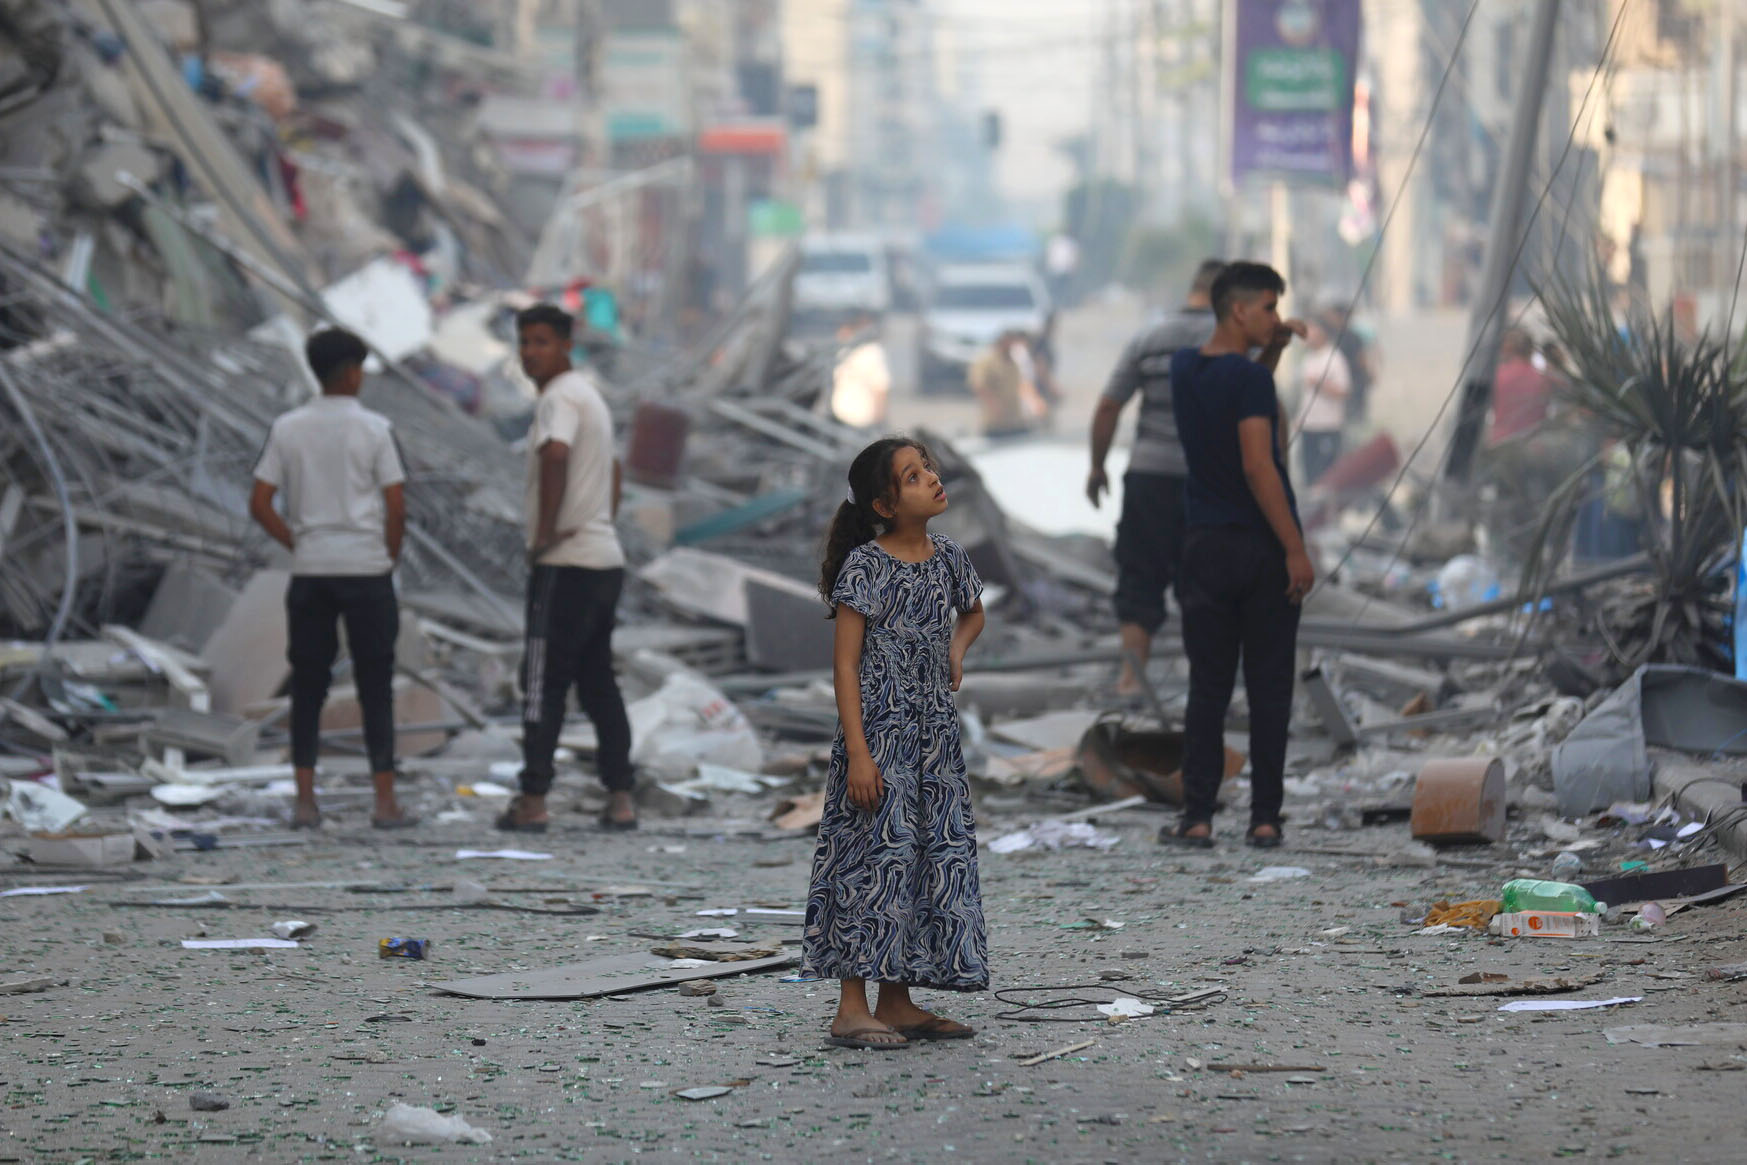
(610, 975)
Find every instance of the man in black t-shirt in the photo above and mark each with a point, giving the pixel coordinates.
(1245, 568)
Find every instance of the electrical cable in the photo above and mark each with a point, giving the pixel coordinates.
(1516, 258)
(1394, 204)
(1162, 1003)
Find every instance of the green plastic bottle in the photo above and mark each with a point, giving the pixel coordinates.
(1558, 897)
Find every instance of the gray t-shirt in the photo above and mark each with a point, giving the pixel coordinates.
(1145, 368)
(331, 460)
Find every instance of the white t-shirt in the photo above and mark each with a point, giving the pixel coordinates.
(1324, 409)
(571, 410)
(331, 459)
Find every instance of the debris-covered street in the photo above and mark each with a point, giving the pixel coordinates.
(1292, 653)
(1323, 1037)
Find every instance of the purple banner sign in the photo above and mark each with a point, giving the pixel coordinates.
(1289, 89)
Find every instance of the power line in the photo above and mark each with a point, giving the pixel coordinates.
(1395, 203)
(1516, 258)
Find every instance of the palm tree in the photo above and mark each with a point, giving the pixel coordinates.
(1677, 410)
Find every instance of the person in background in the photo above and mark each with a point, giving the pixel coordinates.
(1149, 533)
(862, 380)
(340, 472)
(1324, 383)
(998, 382)
(1356, 349)
(1245, 567)
(1043, 363)
(576, 570)
(1521, 392)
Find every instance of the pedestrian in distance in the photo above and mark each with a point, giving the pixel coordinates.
(1149, 533)
(895, 897)
(1325, 381)
(576, 570)
(339, 472)
(1245, 567)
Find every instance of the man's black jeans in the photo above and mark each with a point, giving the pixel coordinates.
(314, 606)
(1233, 596)
(571, 610)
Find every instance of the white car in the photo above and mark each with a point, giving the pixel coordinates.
(841, 276)
(969, 307)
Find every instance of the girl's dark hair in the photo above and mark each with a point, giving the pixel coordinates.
(856, 521)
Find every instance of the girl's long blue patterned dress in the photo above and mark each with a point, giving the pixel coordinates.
(895, 896)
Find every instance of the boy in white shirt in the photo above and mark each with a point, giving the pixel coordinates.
(576, 571)
(340, 472)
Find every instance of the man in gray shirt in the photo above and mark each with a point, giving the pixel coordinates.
(1149, 535)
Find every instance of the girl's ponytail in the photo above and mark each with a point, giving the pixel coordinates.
(856, 521)
(851, 526)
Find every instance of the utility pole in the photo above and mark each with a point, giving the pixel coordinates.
(1510, 197)
(1730, 175)
(591, 34)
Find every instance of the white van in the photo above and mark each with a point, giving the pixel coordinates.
(971, 305)
(841, 276)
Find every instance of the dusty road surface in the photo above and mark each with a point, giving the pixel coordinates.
(1318, 976)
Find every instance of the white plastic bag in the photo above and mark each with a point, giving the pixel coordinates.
(689, 721)
(406, 1125)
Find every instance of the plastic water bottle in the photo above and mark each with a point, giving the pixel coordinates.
(1567, 866)
(1557, 897)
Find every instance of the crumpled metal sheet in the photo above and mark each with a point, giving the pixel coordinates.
(1605, 759)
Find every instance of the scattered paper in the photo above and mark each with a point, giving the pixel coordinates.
(720, 912)
(1689, 829)
(237, 944)
(186, 795)
(1126, 1008)
(1568, 1004)
(1441, 928)
(488, 789)
(1054, 834)
(1280, 873)
(293, 928)
(513, 855)
(782, 913)
(712, 932)
(30, 891)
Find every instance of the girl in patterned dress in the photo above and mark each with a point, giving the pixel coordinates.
(894, 893)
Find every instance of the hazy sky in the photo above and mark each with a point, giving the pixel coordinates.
(1034, 61)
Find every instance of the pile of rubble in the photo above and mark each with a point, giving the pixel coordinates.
(149, 307)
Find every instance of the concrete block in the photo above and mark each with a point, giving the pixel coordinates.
(187, 606)
(246, 652)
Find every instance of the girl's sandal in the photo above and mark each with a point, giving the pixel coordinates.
(938, 1028)
(855, 1039)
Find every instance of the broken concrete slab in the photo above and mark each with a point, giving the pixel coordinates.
(246, 653)
(188, 606)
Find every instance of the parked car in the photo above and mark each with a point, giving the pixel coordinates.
(841, 276)
(968, 307)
